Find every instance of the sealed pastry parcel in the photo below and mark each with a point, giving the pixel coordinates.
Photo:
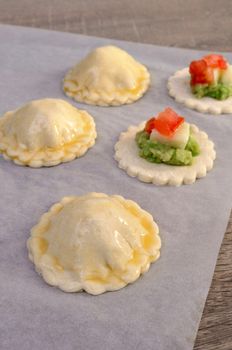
(161, 310)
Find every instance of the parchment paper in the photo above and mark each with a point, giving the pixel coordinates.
(162, 310)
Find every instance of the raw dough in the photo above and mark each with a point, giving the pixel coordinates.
(108, 76)
(127, 155)
(179, 89)
(45, 133)
(94, 242)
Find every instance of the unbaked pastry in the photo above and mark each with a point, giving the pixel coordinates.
(95, 243)
(126, 153)
(108, 76)
(205, 86)
(179, 89)
(45, 133)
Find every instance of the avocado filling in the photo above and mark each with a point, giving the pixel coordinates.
(219, 91)
(156, 152)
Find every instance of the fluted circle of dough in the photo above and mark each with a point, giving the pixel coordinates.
(95, 243)
(46, 132)
(127, 155)
(108, 76)
(179, 88)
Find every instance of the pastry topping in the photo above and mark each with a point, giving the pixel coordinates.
(201, 73)
(211, 76)
(95, 243)
(167, 139)
(107, 76)
(166, 123)
(215, 61)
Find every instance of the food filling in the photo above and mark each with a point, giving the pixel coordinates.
(167, 139)
(212, 77)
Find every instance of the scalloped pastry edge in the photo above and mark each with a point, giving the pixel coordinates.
(100, 98)
(41, 227)
(203, 105)
(50, 157)
(188, 177)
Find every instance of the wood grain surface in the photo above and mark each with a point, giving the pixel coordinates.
(197, 24)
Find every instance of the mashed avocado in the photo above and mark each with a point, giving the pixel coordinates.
(156, 152)
(219, 91)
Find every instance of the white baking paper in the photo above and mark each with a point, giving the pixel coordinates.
(162, 310)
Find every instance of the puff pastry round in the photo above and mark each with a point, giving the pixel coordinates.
(45, 133)
(95, 243)
(127, 155)
(108, 76)
(179, 88)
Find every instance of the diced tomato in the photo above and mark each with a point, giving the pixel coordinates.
(201, 73)
(150, 125)
(215, 61)
(202, 70)
(165, 123)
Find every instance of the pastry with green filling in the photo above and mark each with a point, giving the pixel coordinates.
(167, 139)
(165, 150)
(205, 85)
(211, 76)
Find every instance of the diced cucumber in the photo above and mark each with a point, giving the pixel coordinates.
(178, 140)
(216, 75)
(226, 77)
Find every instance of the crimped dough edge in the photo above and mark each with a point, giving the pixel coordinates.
(50, 157)
(101, 98)
(179, 89)
(126, 153)
(57, 280)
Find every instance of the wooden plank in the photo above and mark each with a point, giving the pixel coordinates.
(215, 331)
(183, 23)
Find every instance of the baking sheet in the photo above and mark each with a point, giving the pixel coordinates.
(163, 308)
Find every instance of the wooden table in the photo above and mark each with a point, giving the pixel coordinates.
(198, 24)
